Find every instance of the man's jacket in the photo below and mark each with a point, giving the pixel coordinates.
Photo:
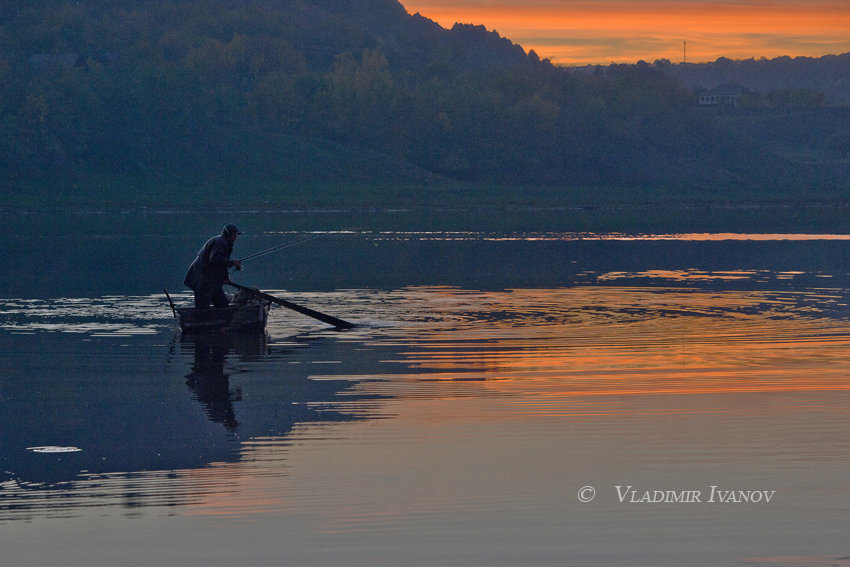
(209, 269)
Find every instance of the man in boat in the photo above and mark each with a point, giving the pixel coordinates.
(208, 272)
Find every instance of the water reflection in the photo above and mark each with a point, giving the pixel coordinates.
(143, 409)
(208, 381)
(346, 259)
(526, 236)
(455, 414)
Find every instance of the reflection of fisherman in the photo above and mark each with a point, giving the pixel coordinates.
(208, 271)
(209, 382)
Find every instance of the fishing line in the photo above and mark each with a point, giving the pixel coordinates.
(281, 246)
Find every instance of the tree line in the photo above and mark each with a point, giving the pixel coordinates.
(813, 81)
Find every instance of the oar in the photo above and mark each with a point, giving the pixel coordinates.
(330, 320)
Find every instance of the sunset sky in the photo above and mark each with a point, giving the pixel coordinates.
(579, 32)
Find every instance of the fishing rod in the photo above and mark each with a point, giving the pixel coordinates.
(280, 246)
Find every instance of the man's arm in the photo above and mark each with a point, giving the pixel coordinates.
(220, 256)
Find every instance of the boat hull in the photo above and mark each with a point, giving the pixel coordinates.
(249, 316)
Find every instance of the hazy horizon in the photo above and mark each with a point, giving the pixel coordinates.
(589, 32)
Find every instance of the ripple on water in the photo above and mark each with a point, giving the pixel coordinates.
(658, 376)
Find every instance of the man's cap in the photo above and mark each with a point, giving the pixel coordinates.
(230, 229)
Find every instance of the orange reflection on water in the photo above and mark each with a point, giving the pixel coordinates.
(765, 237)
(240, 489)
(596, 375)
(679, 275)
(630, 341)
(604, 236)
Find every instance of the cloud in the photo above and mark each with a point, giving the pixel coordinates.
(601, 31)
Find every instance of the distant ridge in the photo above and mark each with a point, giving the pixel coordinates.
(361, 101)
(829, 74)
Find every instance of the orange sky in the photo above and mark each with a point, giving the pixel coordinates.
(582, 32)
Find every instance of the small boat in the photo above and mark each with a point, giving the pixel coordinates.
(245, 313)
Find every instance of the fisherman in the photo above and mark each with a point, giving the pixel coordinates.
(208, 272)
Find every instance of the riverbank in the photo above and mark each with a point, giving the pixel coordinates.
(106, 191)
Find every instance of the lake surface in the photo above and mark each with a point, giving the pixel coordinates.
(508, 397)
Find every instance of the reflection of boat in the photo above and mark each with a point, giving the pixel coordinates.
(245, 313)
(191, 429)
(208, 379)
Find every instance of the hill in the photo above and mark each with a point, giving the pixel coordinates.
(179, 101)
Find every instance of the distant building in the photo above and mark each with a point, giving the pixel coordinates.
(718, 97)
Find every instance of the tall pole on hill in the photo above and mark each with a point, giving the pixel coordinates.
(685, 51)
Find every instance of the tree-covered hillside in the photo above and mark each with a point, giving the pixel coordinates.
(828, 76)
(194, 93)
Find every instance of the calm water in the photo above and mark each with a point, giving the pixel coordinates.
(507, 398)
